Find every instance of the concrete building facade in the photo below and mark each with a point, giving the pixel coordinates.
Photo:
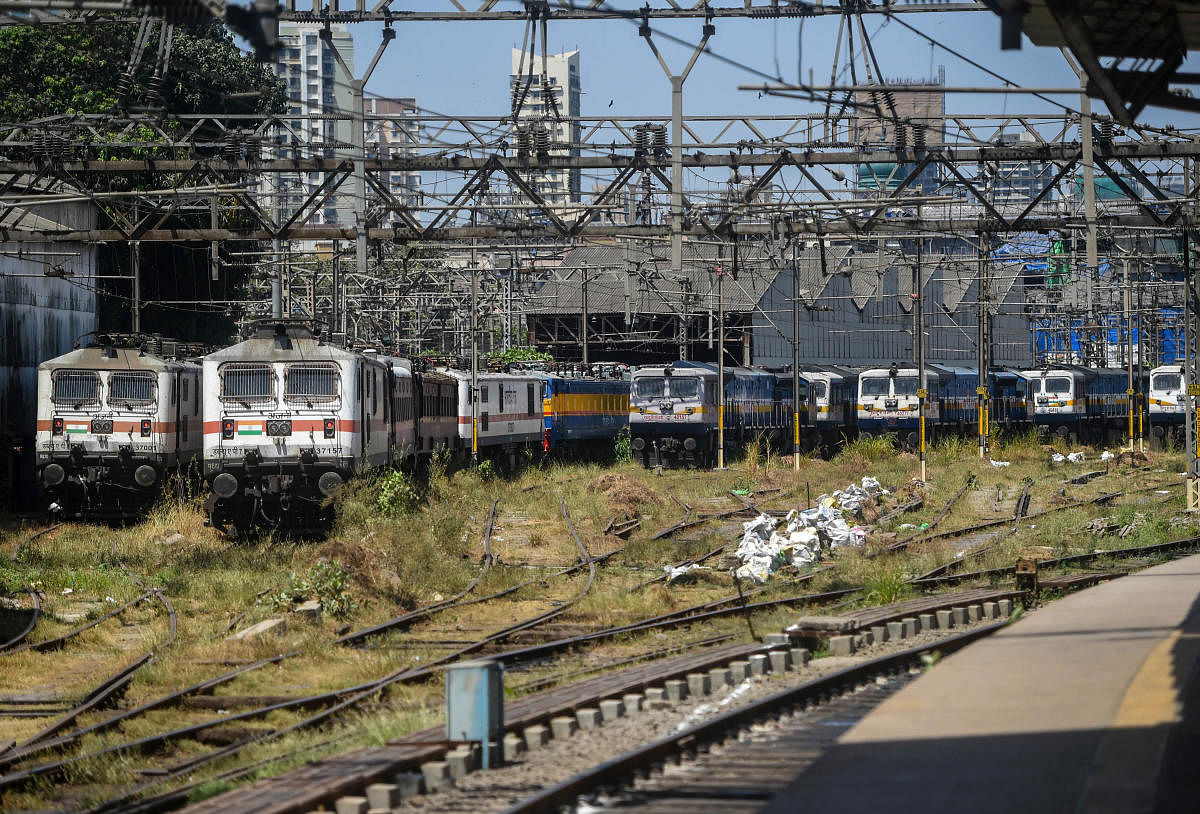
(316, 86)
(393, 131)
(546, 119)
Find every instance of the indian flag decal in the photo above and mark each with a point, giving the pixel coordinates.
(76, 427)
(250, 428)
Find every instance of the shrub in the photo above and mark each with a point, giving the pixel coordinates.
(885, 587)
(875, 448)
(487, 470)
(622, 447)
(326, 581)
(398, 494)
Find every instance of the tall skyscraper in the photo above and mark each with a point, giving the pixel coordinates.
(316, 86)
(543, 119)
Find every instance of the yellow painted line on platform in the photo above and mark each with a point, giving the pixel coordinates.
(1152, 698)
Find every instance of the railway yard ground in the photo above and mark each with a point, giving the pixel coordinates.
(162, 664)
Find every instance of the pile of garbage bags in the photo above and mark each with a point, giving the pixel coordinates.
(807, 536)
(1073, 457)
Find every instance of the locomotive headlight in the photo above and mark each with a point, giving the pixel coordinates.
(227, 427)
(330, 427)
(56, 427)
(145, 428)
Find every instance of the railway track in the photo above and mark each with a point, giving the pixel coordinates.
(636, 780)
(35, 600)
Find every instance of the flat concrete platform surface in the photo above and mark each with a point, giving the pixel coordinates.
(1088, 704)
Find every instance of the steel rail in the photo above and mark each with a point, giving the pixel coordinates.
(900, 545)
(59, 641)
(619, 770)
(34, 616)
(357, 694)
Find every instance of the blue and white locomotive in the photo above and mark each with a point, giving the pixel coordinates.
(673, 410)
(1079, 403)
(888, 401)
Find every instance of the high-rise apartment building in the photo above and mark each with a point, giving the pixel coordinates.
(547, 119)
(923, 109)
(316, 86)
(393, 132)
(1019, 182)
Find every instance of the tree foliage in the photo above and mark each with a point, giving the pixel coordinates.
(58, 70)
(70, 69)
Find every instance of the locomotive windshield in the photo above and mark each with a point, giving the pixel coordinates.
(819, 390)
(1167, 382)
(76, 387)
(131, 389)
(876, 386)
(1056, 384)
(246, 383)
(906, 385)
(650, 387)
(311, 383)
(687, 387)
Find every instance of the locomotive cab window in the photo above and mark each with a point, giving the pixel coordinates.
(247, 383)
(906, 385)
(1056, 384)
(685, 387)
(133, 389)
(76, 388)
(650, 387)
(529, 397)
(1167, 382)
(310, 384)
(875, 386)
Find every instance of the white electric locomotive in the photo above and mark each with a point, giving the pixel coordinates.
(113, 423)
(1167, 399)
(289, 418)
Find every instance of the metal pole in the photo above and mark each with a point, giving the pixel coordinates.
(980, 355)
(1129, 391)
(1141, 371)
(474, 351)
(795, 361)
(1189, 371)
(921, 391)
(335, 318)
(135, 253)
(583, 319)
(214, 258)
(720, 367)
(1089, 194)
(277, 281)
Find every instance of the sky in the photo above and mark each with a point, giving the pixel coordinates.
(462, 67)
